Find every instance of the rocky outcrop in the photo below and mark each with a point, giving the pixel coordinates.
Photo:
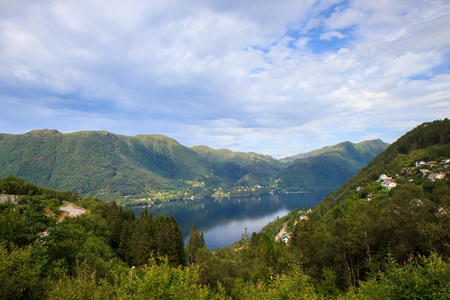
(5, 198)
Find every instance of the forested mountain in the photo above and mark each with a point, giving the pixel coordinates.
(366, 149)
(329, 167)
(95, 162)
(107, 165)
(239, 167)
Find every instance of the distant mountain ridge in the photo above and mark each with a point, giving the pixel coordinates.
(100, 163)
(370, 148)
(329, 167)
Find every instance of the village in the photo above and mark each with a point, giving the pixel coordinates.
(431, 170)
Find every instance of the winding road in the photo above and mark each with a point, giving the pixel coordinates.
(281, 233)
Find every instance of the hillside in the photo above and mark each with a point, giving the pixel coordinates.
(111, 166)
(239, 167)
(95, 162)
(369, 149)
(394, 212)
(329, 167)
(428, 142)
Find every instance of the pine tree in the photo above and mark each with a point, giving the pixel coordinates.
(142, 243)
(195, 242)
(176, 249)
(125, 241)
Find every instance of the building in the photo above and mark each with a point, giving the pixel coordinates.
(388, 184)
(436, 176)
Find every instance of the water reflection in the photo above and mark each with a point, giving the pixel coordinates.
(223, 221)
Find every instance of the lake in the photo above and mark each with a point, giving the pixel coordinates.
(223, 221)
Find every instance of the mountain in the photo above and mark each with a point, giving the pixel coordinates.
(329, 167)
(239, 167)
(427, 142)
(108, 165)
(95, 162)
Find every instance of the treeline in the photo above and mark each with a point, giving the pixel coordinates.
(138, 239)
(17, 186)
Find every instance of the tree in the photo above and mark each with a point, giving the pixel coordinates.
(125, 241)
(142, 240)
(195, 242)
(19, 274)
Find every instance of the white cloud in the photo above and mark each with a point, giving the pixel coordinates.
(327, 36)
(227, 73)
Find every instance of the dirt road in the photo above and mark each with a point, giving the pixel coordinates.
(72, 211)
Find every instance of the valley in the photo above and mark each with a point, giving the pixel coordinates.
(365, 240)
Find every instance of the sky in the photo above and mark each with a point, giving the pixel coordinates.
(272, 77)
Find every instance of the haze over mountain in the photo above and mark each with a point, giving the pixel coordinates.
(101, 163)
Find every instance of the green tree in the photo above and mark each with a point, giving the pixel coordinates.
(20, 274)
(142, 243)
(195, 241)
(423, 278)
(125, 242)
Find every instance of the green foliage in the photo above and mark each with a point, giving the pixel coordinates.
(22, 225)
(19, 274)
(327, 285)
(98, 163)
(423, 278)
(394, 246)
(83, 285)
(274, 227)
(195, 242)
(294, 286)
(49, 264)
(162, 281)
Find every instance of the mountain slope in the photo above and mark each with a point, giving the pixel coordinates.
(329, 167)
(428, 141)
(107, 165)
(239, 167)
(93, 161)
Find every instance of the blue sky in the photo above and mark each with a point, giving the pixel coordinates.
(276, 78)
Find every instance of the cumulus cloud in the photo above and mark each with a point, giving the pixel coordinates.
(272, 78)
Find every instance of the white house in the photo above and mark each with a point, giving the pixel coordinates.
(389, 184)
(420, 164)
(384, 177)
(435, 176)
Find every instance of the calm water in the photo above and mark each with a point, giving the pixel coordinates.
(224, 221)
